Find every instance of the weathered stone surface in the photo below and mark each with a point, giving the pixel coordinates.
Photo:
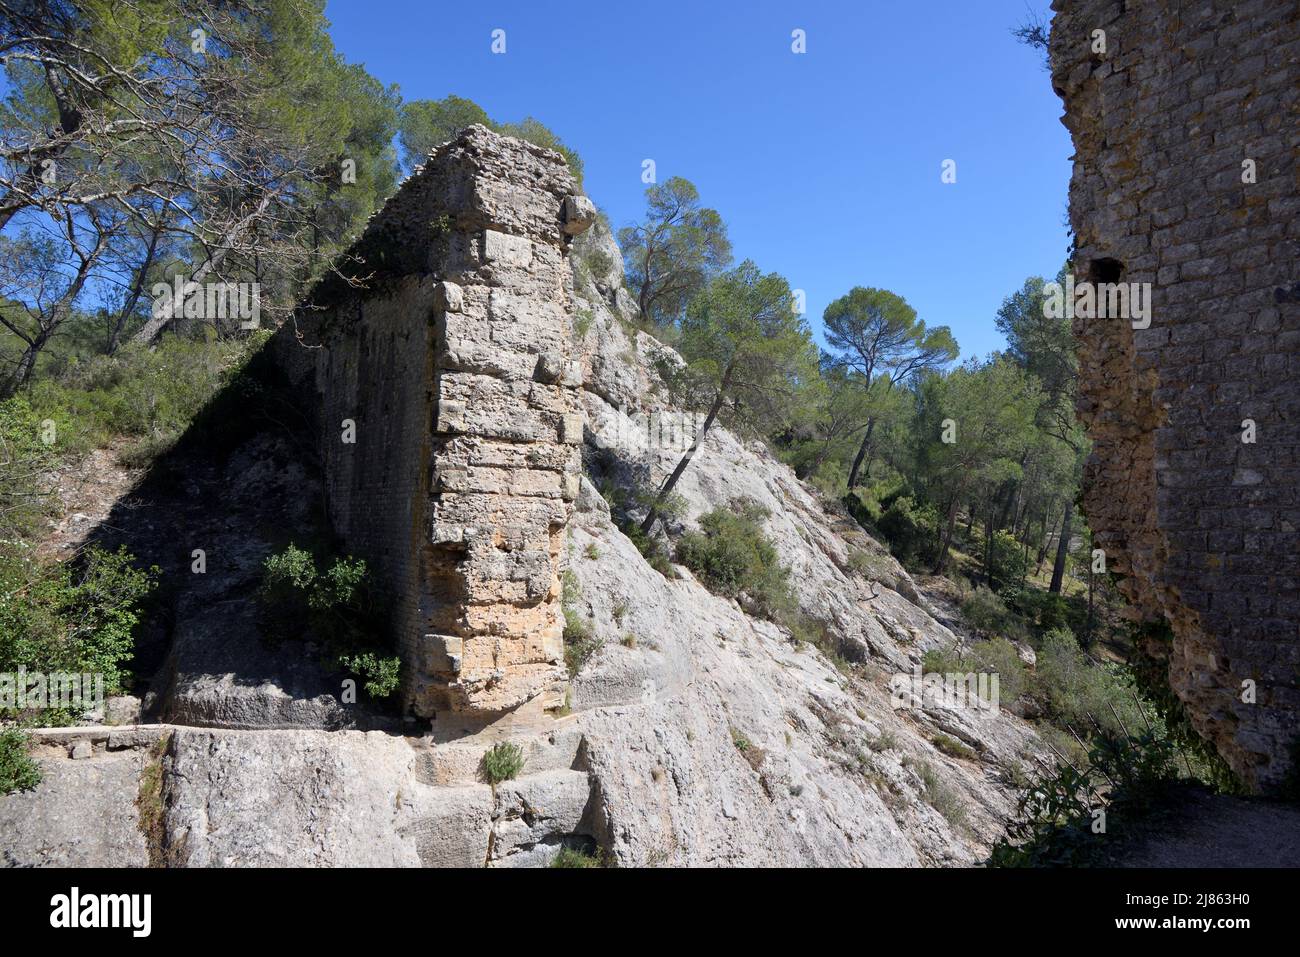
(1169, 127)
(82, 814)
(454, 364)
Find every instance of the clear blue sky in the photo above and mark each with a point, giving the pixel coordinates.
(825, 165)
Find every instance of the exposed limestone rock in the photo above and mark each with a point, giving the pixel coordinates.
(1185, 178)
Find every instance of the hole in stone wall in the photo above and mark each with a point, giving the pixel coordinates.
(1105, 270)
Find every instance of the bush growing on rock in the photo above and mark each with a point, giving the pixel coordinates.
(333, 606)
(580, 642)
(18, 772)
(733, 557)
(503, 762)
(996, 656)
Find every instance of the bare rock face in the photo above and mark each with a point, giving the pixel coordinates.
(712, 738)
(1185, 181)
(448, 417)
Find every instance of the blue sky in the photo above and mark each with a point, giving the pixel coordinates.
(825, 165)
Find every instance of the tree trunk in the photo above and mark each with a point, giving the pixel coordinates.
(154, 327)
(988, 545)
(124, 316)
(23, 371)
(1042, 538)
(942, 560)
(1062, 548)
(667, 487)
(1088, 627)
(862, 453)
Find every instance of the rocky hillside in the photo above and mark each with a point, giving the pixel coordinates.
(693, 734)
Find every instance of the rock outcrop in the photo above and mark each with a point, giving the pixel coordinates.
(1185, 181)
(694, 733)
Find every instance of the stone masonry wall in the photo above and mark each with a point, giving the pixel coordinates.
(446, 343)
(1195, 506)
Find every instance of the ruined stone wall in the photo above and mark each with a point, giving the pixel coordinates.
(446, 345)
(1196, 510)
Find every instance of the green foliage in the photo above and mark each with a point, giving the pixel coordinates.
(996, 656)
(869, 565)
(1127, 776)
(624, 501)
(582, 323)
(380, 675)
(941, 797)
(953, 748)
(334, 606)
(571, 857)
(1150, 674)
(672, 255)
(76, 616)
(1006, 561)
(1042, 609)
(25, 463)
(912, 530)
(425, 124)
(150, 394)
(428, 123)
(988, 614)
(18, 772)
(580, 642)
(1083, 694)
(748, 353)
(733, 557)
(503, 762)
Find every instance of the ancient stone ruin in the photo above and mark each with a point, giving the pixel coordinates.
(448, 420)
(1185, 177)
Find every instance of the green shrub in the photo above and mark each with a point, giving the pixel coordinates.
(1083, 694)
(503, 762)
(334, 606)
(153, 393)
(380, 675)
(989, 615)
(1007, 561)
(1128, 776)
(870, 565)
(580, 642)
(582, 323)
(26, 460)
(570, 857)
(733, 557)
(941, 797)
(75, 616)
(996, 656)
(18, 772)
(1043, 609)
(953, 748)
(628, 503)
(912, 531)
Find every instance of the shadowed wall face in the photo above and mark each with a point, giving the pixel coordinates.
(1185, 180)
(451, 360)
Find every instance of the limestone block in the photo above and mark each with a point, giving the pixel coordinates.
(448, 297)
(505, 249)
(571, 428)
(579, 214)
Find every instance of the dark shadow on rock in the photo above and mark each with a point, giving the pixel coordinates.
(240, 484)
